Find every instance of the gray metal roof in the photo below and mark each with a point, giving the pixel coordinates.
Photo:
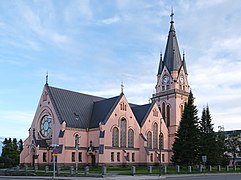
(102, 110)
(72, 107)
(172, 57)
(80, 110)
(140, 112)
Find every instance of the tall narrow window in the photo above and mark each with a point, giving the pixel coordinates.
(163, 157)
(115, 137)
(123, 133)
(130, 138)
(128, 156)
(73, 156)
(112, 156)
(161, 141)
(80, 156)
(118, 156)
(164, 111)
(168, 115)
(155, 136)
(151, 157)
(149, 140)
(133, 157)
(44, 157)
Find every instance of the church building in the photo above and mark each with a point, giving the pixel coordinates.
(91, 130)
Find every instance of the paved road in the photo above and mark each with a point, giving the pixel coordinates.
(168, 177)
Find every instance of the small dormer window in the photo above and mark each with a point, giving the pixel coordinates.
(155, 113)
(122, 106)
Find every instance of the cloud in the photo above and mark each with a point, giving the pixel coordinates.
(12, 116)
(41, 27)
(111, 20)
(14, 123)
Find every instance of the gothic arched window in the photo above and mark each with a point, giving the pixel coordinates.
(149, 140)
(164, 111)
(155, 136)
(115, 137)
(168, 115)
(123, 132)
(131, 138)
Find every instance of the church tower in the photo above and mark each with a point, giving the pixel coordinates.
(172, 88)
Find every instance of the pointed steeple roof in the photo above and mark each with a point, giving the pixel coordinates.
(160, 65)
(172, 58)
(184, 63)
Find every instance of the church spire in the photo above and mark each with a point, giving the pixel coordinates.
(184, 63)
(172, 58)
(160, 65)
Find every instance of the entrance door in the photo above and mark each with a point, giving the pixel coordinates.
(93, 160)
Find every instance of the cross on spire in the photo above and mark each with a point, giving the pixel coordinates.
(172, 14)
(122, 86)
(47, 77)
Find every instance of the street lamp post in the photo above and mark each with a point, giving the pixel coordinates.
(77, 154)
(54, 154)
(160, 148)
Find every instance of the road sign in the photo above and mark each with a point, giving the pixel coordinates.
(55, 152)
(204, 159)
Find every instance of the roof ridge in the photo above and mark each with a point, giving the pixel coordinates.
(72, 91)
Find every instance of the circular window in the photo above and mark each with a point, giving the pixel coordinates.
(45, 126)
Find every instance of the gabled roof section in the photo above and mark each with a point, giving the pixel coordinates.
(72, 107)
(172, 58)
(103, 109)
(141, 112)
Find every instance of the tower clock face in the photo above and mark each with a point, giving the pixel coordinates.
(45, 126)
(165, 79)
(181, 79)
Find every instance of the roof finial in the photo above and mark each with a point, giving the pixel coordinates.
(122, 86)
(47, 77)
(172, 14)
(183, 54)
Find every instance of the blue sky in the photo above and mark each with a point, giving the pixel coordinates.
(91, 46)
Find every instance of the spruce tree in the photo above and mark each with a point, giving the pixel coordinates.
(221, 156)
(186, 145)
(208, 145)
(10, 152)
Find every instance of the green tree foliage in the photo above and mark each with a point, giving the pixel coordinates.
(186, 144)
(208, 145)
(233, 145)
(222, 158)
(11, 151)
(20, 145)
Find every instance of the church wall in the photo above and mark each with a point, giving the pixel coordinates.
(114, 121)
(68, 142)
(148, 126)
